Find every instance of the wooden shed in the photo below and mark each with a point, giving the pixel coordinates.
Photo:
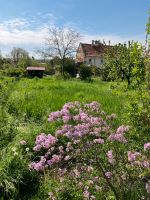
(35, 71)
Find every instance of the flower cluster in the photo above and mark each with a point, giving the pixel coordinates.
(147, 146)
(137, 159)
(85, 142)
(110, 157)
(44, 141)
(119, 135)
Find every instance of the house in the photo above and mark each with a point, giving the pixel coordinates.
(91, 54)
(35, 71)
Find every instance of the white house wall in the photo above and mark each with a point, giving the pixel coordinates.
(96, 61)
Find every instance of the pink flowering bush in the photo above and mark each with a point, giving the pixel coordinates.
(98, 157)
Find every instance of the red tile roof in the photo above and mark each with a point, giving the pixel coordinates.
(94, 49)
(36, 68)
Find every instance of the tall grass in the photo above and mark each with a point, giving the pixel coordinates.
(28, 102)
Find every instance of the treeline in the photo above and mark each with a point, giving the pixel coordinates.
(16, 63)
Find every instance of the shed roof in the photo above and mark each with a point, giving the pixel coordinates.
(35, 68)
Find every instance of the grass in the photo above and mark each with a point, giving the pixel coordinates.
(35, 98)
(28, 102)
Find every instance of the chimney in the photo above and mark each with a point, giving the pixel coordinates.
(92, 42)
(109, 42)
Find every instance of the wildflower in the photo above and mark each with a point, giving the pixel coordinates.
(147, 146)
(133, 156)
(86, 194)
(108, 174)
(23, 142)
(110, 157)
(27, 149)
(117, 137)
(51, 195)
(90, 182)
(148, 187)
(55, 158)
(66, 118)
(90, 169)
(99, 141)
(76, 172)
(67, 158)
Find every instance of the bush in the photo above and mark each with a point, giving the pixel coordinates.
(8, 129)
(98, 158)
(14, 72)
(140, 113)
(85, 72)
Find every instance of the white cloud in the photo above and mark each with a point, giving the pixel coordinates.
(30, 33)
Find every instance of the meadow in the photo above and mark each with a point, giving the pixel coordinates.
(25, 105)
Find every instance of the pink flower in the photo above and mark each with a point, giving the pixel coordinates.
(108, 174)
(117, 137)
(133, 156)
(55, 158)
(66, 118)
(86, 194)
(147, 146)
(67, 158)
(99, 141)
(110, 157)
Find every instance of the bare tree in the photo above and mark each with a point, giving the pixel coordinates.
(61, 42)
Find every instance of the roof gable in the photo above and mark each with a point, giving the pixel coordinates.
(94, 49)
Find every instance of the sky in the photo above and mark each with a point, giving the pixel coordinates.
(24, 23)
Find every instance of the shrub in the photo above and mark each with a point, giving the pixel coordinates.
(14, 72)
(96, 156)
(139, 113)
(7, 129)
(85, 72)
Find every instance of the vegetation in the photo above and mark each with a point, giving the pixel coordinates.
(76, 139)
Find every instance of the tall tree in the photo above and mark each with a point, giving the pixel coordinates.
(61, 42)
(17, 54)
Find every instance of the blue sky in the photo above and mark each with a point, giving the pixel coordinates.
(23, 23)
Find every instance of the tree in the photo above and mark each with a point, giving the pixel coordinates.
(17, 54)
(147, 57)
(61, 42)
(125, 62)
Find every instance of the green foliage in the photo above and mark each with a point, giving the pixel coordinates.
(29, 102)
(70, 67)
(85, 72)
(7, 128)
(23, 63)
(139, 113)
(124, 62)
(14, 72)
